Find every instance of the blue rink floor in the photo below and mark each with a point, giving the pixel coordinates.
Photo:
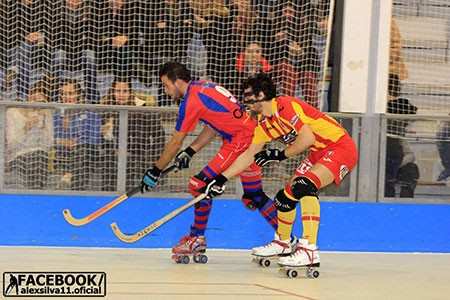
(36, 220)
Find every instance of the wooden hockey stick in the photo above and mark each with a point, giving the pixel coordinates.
(110, 205)
(131, 238)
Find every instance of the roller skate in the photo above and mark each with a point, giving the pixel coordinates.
(264, 255)
(190, 247)
(305, 259)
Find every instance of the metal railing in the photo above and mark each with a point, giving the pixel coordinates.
(123, 162)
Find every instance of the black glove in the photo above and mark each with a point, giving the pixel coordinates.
(150, 179)
(264, 157)
(216, 186)
(184, 157)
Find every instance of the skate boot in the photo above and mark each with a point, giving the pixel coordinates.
(305, 258)
(264, 254)
(190, 246)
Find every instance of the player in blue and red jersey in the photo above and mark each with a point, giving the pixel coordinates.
(218, 110)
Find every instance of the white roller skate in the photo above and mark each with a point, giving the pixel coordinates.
(305, 258)
(272, 251)
(190, 246)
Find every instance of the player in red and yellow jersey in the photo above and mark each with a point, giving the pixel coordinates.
(215, 107)
(332, 154)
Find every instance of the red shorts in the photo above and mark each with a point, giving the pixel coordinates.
(339, 158)
(226, 156)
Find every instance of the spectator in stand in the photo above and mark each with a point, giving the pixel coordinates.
(286, 71)
(75, 40)
(216, 23)
(400, 161)
(145, 137)
(4, 32)
(169, 27)
(267, 14)
(28, 23)
(397, 64)
(244, 24)
(119, 37)
(320, 39)
(307, 63)
(443, 145)
(29, 138)
(77, 138)
(251, 61)
(292, 51)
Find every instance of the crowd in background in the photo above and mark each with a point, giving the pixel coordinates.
(59, 51)
(130, 39)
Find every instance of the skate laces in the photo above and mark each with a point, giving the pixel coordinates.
(276, 242)
(309, 253)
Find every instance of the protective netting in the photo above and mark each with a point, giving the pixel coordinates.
(44, 42)
(419, 58)
(82, 149)
(417, 148)
(109, 52)
(417, 158)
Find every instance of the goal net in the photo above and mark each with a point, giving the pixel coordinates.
(109, 52)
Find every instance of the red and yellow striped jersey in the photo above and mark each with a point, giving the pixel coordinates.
(289, 114)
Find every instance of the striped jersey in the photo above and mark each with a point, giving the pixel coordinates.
(215, 107)
(289, 114)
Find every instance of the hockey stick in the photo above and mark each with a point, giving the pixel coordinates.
(131, 238)
(110, 205)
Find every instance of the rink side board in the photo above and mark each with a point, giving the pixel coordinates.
(36, 220)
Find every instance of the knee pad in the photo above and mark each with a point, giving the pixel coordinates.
(303, 186)
(197, 185)
(255, 200)
(283, 203)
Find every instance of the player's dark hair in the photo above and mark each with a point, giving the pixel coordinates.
(174, 70)
(261, 82)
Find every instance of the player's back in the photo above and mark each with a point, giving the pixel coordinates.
(216, 107)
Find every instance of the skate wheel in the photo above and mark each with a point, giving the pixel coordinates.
(184, 260)
(265, 263)
(260, 262)
(201, 259)
(312, 273)
(292, 273)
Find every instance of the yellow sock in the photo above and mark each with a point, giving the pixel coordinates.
(310, 218)
(285, 222)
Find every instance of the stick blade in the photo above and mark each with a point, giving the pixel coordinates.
(127, 238)
(74, 221)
